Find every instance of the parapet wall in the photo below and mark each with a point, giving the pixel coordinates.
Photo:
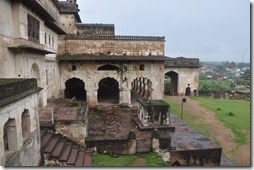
(96, 29)
(111, 45)
(182, 62)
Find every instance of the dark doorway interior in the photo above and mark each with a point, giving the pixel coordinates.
(108, 67)
(108, 91)
(172, 90)
(75, 88)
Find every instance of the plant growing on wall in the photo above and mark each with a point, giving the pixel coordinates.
(123, 69)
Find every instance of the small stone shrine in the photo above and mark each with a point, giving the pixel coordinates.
(154, 112)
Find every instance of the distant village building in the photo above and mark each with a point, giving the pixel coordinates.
(46, 40)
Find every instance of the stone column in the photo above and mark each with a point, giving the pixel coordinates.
(92, 97)
(142, 86)
(146, 89)
(139, 85)
(149, 95)
(135, 85)
(126, 96)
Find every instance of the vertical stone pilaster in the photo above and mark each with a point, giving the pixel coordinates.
(146, 89)
(137, 85)
(125, 96)
(92, 98)
(149, 95)
(142, 86)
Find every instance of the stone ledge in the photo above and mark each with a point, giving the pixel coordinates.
(152, 127)
(16, 94)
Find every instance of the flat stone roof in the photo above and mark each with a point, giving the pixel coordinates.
(149, 103)
(63, 111)
(182, 62)
(12, 90)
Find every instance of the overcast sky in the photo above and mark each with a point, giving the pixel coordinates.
(211, 30)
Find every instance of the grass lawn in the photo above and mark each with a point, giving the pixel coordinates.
(150, 160)
(187, 118)
(239, 122)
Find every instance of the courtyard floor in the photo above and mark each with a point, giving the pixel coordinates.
(115, 121)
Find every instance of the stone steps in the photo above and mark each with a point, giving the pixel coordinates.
(58, 150)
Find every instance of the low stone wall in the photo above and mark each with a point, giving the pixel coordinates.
(78, 129)
(225, 94)
(198, 157)
(216, 93)
(241, 95)
(121, 146)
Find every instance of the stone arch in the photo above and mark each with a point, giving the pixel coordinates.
(108, 67)
(172, 88)
(108, 91)
(35, 73)
(141, 87)
(10, 136)
(75, 87)
(25, 117)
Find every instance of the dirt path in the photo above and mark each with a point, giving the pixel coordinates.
(218, 132)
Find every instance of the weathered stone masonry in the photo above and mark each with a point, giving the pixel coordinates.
(141, 56)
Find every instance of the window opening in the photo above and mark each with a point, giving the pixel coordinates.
(73, 68)
(26, 125)
(33, 28)
(142, 67)
(10, 136)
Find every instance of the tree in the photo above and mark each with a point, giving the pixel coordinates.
(220, 68)
(232, 65)
(246, 75)
(241, 65)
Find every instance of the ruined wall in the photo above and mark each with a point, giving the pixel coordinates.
(68, 23)
(52, 77)
(115, 45)
(6, 32)
(121, 146)
(185, 76)
(200, 157)
(77, 131)
(96, 29)
(88, 73)
(27, 152)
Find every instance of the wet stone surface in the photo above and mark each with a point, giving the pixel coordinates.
(115, 121)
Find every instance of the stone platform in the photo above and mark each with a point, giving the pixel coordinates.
(190, 147)
(113, 124)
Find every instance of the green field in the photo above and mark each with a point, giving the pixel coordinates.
(187, 118)
(238, 121)
(150, 159)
